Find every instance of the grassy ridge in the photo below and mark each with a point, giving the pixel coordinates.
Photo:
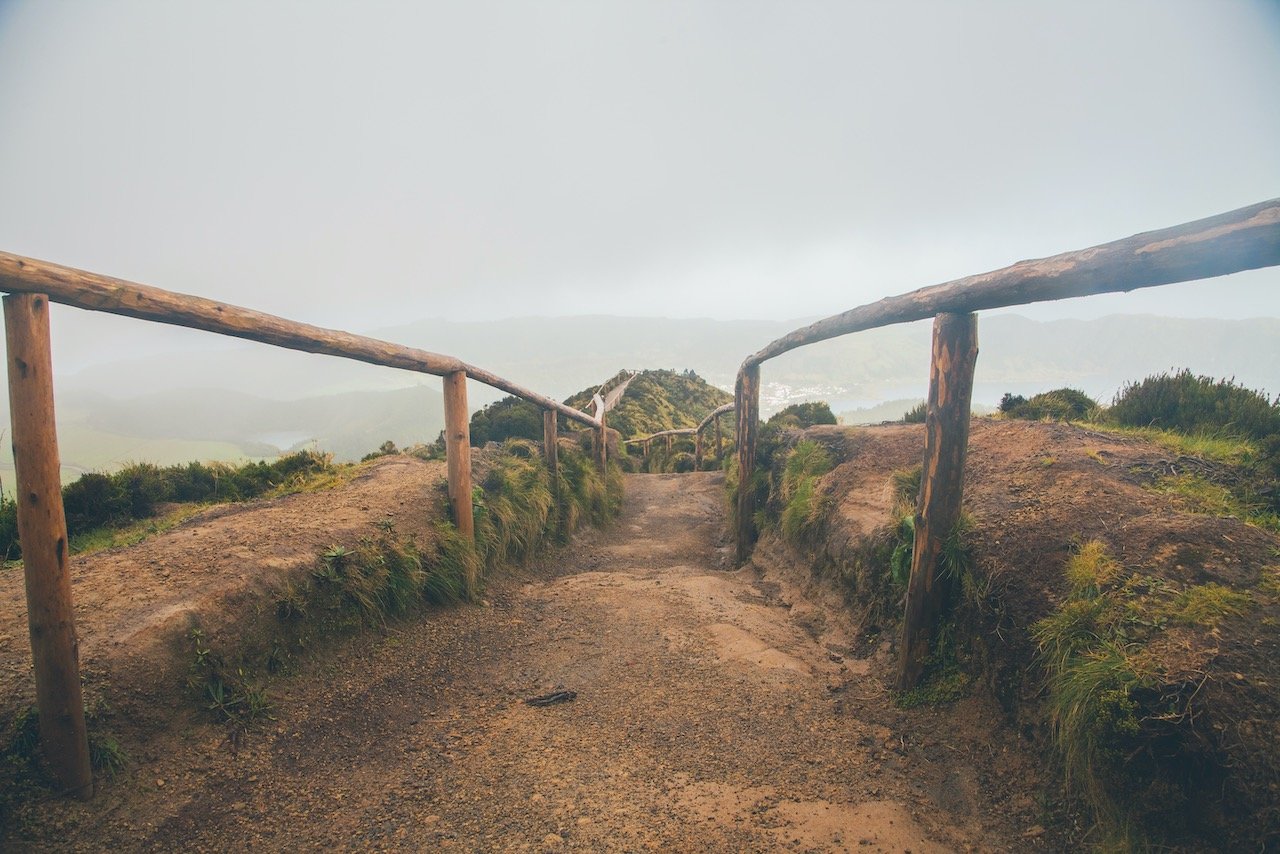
(98, 503)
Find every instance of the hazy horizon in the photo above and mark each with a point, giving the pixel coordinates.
(353, 165)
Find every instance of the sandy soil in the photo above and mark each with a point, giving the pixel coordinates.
(710, 715)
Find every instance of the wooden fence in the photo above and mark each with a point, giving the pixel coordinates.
(31, 285)
(1243, 239)
(712, 418)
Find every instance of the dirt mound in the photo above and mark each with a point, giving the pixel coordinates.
(1037, 492)
(136, 606)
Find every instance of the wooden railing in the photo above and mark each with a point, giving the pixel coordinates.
(712, 418)
(1243, 239)
(31, 285)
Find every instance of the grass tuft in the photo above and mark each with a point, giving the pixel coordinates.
(1091, 568)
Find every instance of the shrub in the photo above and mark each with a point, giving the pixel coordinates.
(1196, 404)
(98, 500)
(509, 418)
(1060, 404)
(803, 415)
(916, 414)
(798, 490)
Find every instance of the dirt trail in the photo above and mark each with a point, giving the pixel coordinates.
(707, 718)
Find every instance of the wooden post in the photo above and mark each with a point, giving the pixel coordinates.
(955, 350)
(719, 444)
(669, 438)
(42, 531)
(747, 406)
(457, 447)
(602, 446)
(697, 451)
(550, 449)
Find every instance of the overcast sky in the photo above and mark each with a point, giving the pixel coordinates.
(358, 164)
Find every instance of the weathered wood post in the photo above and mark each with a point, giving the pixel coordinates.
(938, 506)
(550, 448)
(602, 446)
(719, 444)
(697, 451)
(42, 531)
(746, 398)
(670, 438)
(457, 447)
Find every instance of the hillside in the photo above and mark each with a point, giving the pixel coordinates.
(657, 400)
(1128, 630)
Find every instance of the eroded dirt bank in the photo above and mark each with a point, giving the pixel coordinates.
(707, 717)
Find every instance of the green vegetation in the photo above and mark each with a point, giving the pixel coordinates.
(654, 402)
(916, 414)
(798, 490)
(1196, 404)
(509, 418)
(1121, 712)
(1198, 416)
(385, 575)
(98, 504)
(22, 775)
(802, 415)
(1062, 404)
(657, 401)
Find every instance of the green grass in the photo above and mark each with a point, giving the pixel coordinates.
(110, 538)
(1194, 494)
(1117, 717)
(803, 504)
(1215, 447)
(383, 575)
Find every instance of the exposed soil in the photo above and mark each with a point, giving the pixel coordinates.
(1036, 491)
(715, 711)
(135, 606)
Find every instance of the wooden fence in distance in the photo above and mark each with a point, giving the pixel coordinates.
(31, 285)
(713, 417)
(1243, 239)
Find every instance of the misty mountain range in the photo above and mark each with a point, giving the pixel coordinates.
(258, 400)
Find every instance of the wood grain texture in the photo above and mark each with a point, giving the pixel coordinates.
(1243, 239)
(42, 530)
(938, 506)
(457, 445)
(551, 446)
(746, 399)
(602, 443)
(69, 286)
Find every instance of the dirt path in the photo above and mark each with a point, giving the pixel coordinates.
(706, 719)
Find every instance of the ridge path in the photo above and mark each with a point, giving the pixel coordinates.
(706, 719)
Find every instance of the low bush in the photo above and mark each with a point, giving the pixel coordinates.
(99, 500)
(1188, 403)
(802, 415)
(1061, 404)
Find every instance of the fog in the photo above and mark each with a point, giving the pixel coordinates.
(360, 164)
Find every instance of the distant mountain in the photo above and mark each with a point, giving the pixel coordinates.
(560, 355)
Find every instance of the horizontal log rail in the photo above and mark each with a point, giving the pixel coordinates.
(683, 431)
(686, 431)
(714, 414)
(94, 292)
(30, 286)
(1243, 239)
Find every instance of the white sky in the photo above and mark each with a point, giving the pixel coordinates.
(358, 164)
